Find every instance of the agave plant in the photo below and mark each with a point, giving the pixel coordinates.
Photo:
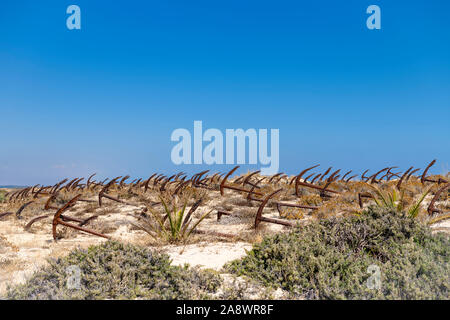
(173, 225)
(394, 199)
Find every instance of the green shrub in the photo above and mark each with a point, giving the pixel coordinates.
(2, 195)
(329, 259)
(117, 271)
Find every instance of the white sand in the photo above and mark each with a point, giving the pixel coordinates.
(211, 255)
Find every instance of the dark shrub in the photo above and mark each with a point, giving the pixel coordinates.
(117, 271)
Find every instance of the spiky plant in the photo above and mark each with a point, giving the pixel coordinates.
(173, 224)
(395, 199)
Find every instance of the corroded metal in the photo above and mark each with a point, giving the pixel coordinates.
(259, 216)
(431, 208)
(57, 219)
(423, 178)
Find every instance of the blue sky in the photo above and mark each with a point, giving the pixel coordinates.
(106, 98)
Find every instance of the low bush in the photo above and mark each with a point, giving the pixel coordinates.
(335, 259)
(117, 271)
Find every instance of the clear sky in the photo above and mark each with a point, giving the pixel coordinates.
(106, 98)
